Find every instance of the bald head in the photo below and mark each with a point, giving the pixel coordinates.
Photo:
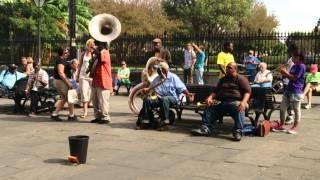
(262, 66)
(231, 69)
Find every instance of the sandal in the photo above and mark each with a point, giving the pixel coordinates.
(84, 115)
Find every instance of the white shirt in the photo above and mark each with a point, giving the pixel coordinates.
(188, 57)
(34, 78)
(289, 65)
(266, 75)
(84, 67)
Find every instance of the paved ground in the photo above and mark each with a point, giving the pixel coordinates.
(37, 149)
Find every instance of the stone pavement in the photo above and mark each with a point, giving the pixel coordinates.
(37, 148)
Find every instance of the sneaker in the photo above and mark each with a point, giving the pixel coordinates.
(292, 131)
(200, 132)
(32, 115)
(104, 122)
(279, 129)
(56, 118)
(237, 135)
(289, 119)
(73, 118)
(96, 120)
(166, 121)
(307, 106)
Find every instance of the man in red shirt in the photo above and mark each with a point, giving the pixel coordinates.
(101, 84)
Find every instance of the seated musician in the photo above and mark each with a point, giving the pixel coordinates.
(168, 86)
(9, 77)
(13, 81)
(233, 92)
(312, 83)
(37, 81)
(264, 77)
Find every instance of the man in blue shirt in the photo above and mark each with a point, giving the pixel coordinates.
(9, 77)
(167, 87)
(251, 62)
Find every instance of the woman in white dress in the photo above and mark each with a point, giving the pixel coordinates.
(83, 76)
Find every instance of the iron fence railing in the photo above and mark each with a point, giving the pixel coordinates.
(270, 47)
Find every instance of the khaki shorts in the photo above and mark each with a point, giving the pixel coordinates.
(62, 89)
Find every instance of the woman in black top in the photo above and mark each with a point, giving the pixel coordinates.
(62, 76)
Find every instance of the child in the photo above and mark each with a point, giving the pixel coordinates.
(293, 94)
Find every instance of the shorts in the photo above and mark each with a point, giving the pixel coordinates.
(62, 89)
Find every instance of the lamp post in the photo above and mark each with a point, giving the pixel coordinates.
(39, 4)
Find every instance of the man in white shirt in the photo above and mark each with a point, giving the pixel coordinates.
(38, 80)
(264, 77)
(190, 59)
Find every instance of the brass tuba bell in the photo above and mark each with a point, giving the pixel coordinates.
(104, 27)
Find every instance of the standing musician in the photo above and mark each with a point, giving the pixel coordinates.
(38, 80)
(159, 52)
(168, 87)
(101, 83)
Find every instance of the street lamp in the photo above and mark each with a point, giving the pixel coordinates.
(39, 4)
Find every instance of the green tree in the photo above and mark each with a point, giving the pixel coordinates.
(19, 18)
(259, 19)
(137, 16)
(209, 15)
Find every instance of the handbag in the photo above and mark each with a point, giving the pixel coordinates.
(73, 96)
(263, 128)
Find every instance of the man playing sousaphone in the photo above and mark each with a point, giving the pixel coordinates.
(167, 87)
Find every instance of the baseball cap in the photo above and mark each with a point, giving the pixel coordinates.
(157, 40)
(314, 68)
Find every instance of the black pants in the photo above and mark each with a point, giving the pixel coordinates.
(164, 103)
(34, 98)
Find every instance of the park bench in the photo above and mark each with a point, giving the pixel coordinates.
(201, 93)
(263, 102)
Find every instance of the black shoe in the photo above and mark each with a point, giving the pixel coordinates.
(56, 118)
(73, 118)
(103, 122)
(96, 120)
(237, 135)
(200, 132)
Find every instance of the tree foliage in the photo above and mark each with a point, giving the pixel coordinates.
(209, 15)
(259, 19)
(19, 18)
(137, 16)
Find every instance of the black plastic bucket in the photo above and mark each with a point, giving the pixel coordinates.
(79, 147)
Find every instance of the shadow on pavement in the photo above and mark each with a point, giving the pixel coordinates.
(59, 161)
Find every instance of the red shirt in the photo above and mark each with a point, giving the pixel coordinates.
(103, 76)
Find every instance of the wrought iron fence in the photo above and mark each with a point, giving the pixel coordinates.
(270, 47)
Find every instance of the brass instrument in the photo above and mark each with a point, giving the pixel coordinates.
(104, 27)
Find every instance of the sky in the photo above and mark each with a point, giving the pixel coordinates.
(294, 15)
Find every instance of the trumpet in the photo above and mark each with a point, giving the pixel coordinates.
(281, 66)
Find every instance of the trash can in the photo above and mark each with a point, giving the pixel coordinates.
(79, 147)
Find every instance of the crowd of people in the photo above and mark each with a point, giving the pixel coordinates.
(92, 76)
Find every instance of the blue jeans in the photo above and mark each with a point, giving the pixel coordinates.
(252, 74)
(214, 113)
(266, 84)
(199, 76)
(164, 103)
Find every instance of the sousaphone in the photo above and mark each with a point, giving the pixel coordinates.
(104, 27)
